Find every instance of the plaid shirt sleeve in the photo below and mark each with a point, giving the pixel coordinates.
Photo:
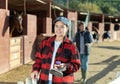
(74, 64)
(38, 56)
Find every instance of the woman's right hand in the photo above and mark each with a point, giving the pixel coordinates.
(34, 74)
(61, 66)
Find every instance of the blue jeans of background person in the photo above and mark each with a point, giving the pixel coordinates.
(84, 61)
(50, 82)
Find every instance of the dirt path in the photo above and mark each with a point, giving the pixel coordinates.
(104, 64)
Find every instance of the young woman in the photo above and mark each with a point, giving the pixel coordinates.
(57, 48)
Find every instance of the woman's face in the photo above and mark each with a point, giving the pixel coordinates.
(60, 29)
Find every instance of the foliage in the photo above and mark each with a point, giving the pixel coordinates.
(89, 7)
(98, 6)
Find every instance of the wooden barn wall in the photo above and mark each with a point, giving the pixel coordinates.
(30, 24)
(111, 31)
(101, 29)
(4, 40)
(117, 31)
(16, 52)
(48, 25)
(118, 34)
(44, 25)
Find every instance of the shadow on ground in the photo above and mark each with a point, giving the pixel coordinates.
(112, 65)
(109, 47)
(7, 83)
(107, 61)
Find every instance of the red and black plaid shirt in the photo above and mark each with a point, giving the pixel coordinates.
(67, 53)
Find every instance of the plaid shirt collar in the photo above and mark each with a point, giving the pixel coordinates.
(52, 41)
(65, 39)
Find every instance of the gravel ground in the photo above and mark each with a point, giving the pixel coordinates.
(104, 65)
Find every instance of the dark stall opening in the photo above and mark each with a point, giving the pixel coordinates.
(107, 27)
(41, 22)
(95, 26)
(117, 27)
(16, 23)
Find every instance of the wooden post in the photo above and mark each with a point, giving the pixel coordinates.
(30, 32)
(4, 40)
(112, 31)
(49, 9)
(48, 26)
(101, 29)
(103, 18)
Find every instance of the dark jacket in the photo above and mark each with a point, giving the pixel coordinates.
(87, 39)
(67, 53)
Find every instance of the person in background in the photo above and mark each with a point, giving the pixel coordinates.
(106, 35)
(57, 48)
(95, 36)
(83, 40)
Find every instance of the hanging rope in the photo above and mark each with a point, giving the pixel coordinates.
(25, 7)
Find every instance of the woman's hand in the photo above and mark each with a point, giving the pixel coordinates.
(34, 74)
(61, 67)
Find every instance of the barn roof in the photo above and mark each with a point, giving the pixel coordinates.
(31, 5)
(35, 6)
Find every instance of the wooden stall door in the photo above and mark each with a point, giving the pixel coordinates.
(16, 52)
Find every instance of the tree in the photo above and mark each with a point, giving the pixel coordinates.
(89, 7)
(98, 6)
